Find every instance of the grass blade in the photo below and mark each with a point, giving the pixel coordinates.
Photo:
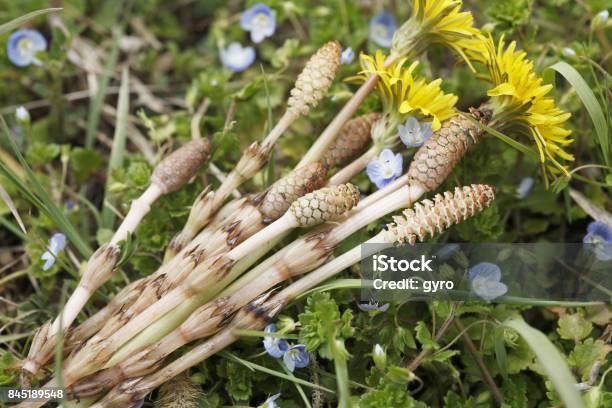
(119, 141)
(550, 360)
(4, 195)
(500, 352)
(590, 103)
(39, 196)
(95, 109)
(253, 366)
(11, 25)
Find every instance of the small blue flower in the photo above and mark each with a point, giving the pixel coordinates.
(22, 115)
(485, 281)
(600, 19)
(373, 306)
(600, 234)
(23, 45)
(347, 56)
(236, 57)
(275, 346)
(70, 205)
(414, 134)
(381, 29)
(568, 52)
(524, 188)
(386, 168)
(296, 357)
(447, 251)
(57, 243)
(259, 21)
(271, 401)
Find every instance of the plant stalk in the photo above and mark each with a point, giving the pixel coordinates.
(320, 146)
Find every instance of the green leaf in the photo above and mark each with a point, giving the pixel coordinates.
(590, 103)
(8, 374)
(423, 335)
(574, 327)
(585, 355)
(550, 360)
(11, 25)
(84, 162)
(119, 140)
(40, 153)
(403, 338)
(322, 323)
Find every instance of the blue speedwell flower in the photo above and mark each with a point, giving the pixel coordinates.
(22, 115)
(236, 57)
(447, 251)
(386, 168)
(568, 52)
(259, 20)
(414, 134)
(271, 401)
(485, 281)
(373, 306)
(296, 357)
(600, 234)
(381, 29)
(347, 56)
(275, 346)
(57, 243)
(23, 45)
(524, 188)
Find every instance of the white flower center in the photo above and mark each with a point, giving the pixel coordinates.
(26, 46)
(596, 239)
(380, 30)
(260, 21)
(387, 170)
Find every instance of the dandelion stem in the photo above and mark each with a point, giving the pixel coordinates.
(318, 149)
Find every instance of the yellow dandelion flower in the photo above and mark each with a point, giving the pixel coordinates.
(404, 93)
(519, 101)
(437, 21)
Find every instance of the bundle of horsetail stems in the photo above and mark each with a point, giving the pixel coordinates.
(215, 277)
(427, 218)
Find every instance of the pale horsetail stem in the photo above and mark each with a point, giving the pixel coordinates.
(310, 87)
(169, 175)
(355, 167)
(428, 217)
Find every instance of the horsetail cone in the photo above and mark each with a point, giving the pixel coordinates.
(431, 217)
(434, 161)
(181, 165)
(351, 141)
(285, 191)
(315, 79)
(324, 204)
